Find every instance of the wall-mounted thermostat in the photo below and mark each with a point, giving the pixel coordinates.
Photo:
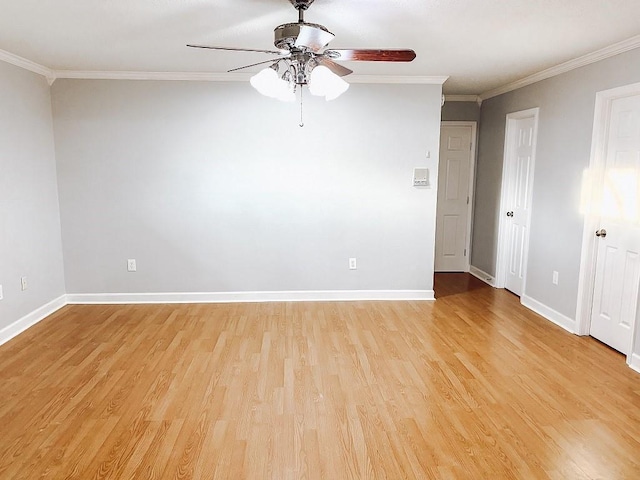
(421, 177)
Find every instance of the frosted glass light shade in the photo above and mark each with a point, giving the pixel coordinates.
(322, 82)
(268, 83)
(264, 81)
(286, 91)
(325, 83)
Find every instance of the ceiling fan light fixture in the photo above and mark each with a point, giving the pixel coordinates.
(301, 51)
(264, 81)
(325, 83)
(286, 91)
(268, 83)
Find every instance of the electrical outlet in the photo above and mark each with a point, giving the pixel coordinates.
(352, 264)
(555, 277)
(131, 265)
(23, 283)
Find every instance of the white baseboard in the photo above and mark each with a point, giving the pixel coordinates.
(19, 326)
(244, 297)
(41, 313)
(635, 362)
(484, 276)
(550, 314)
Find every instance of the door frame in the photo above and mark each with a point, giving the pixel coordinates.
(502, 257)
(472, 182)
(592, 187)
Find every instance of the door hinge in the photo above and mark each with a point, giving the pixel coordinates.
(467, 200)
(465, 252)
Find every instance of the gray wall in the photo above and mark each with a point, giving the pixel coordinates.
(567, 105)
(460, 112)
(30, 242)
(214, 188)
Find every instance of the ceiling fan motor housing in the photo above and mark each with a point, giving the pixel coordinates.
(285, 35)
(301, 4)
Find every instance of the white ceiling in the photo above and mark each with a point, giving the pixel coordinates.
(480, 44)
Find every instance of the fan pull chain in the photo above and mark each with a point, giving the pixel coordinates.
(301, 119)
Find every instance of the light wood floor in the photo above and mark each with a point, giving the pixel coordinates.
(472, 386)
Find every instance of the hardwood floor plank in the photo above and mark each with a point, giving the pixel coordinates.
(471, 386)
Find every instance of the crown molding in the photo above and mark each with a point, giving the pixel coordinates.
(52, 75)
(593, 57)
(462, 98)
(27, 65)
(396, 79)
(232, 77)
(602, 54)
(169, 76)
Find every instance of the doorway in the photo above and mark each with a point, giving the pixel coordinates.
(515, 204)
(455, 196)
(610, 264)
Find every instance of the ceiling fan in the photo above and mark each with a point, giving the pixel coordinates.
(303, 60)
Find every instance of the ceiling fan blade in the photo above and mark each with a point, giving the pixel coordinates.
(313, 38)
(273, 60)
(372, 55)
(333, 66)
(274, 52)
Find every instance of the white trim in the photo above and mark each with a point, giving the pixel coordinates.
(586, 281)
(170, 76)
(598, 55)
(462, 98)
(484, 276)
(634, 362)
(52, 75)
(253, 297)
(233, 77)
(502, 260)
(27, 65)
(472, 182)
(549, 313)
(593, 57)
(396, 79)
(19, 326)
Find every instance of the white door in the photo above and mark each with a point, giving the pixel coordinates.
(453, 213)
(618, 251)
(519, 182)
